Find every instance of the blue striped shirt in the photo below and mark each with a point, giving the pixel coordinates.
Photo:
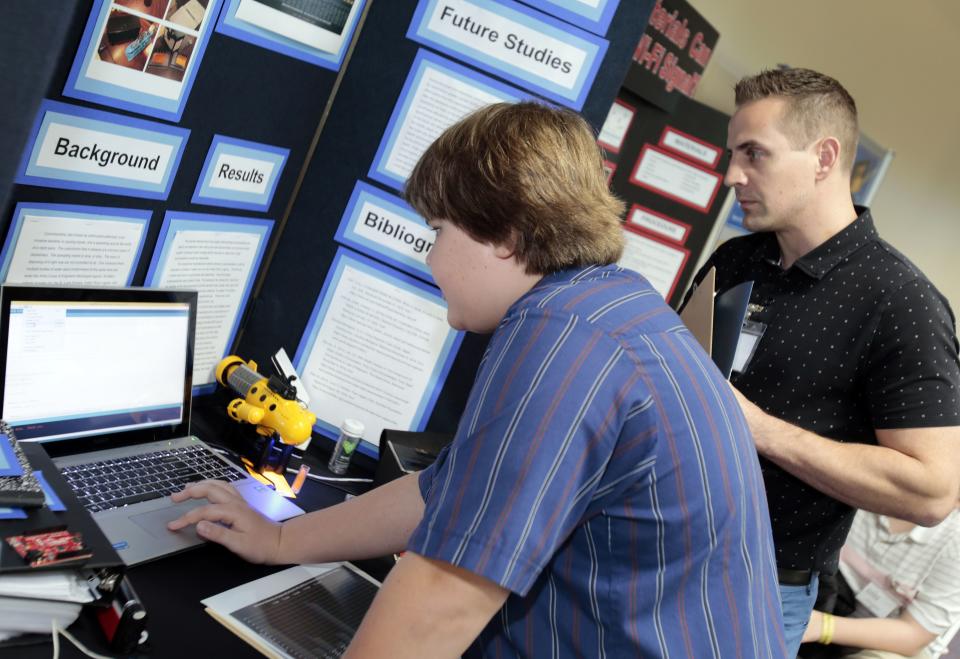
(603, 473)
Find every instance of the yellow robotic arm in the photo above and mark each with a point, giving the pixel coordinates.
(270, 404)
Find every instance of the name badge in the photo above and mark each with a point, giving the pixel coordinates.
(877, 600)
(750, 335)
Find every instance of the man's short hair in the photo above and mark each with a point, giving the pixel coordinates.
(817, 106)
(524, 175)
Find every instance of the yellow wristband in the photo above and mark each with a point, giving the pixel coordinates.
(827, 623)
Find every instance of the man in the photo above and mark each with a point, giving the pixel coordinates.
(601, 496)
(852, 391)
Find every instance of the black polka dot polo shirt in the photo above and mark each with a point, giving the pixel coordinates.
(857, 338)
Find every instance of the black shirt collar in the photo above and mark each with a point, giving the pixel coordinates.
(825, 257)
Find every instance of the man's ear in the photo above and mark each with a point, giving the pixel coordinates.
(828, 156)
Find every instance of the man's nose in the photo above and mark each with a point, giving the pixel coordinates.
(734, 175)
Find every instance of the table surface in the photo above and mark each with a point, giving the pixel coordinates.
(171, 590)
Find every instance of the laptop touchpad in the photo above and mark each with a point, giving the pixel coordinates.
(155, 521)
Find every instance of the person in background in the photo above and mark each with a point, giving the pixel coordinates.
(899, 583)
(852, 392)
(601, 496)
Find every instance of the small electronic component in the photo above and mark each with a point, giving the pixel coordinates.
(49, 546)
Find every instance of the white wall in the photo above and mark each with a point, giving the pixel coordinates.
(901, 63)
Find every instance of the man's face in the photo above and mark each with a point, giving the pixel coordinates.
(773, 180)
(467, 273)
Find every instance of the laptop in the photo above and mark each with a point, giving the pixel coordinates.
(102, 378)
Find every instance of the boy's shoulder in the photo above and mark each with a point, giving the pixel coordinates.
(609, 297)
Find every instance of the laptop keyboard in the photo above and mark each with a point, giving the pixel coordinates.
(320, 12)
(124, 481)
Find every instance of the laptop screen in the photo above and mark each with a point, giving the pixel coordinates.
(94, 362)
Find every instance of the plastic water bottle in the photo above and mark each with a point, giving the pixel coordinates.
(351, 432)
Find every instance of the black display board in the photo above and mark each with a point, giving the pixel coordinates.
(697, 121)
(25, 72)
(672, 54)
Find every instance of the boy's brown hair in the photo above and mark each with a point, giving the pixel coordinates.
(524, 175)
(817, 106)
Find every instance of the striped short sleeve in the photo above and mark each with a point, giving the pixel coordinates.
(541, 425)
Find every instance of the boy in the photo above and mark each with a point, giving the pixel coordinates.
(602, 496)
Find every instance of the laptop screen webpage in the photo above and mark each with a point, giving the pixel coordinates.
(96, 364)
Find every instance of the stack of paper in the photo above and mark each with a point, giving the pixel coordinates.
(32, 601)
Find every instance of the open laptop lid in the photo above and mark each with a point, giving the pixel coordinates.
(84, 369)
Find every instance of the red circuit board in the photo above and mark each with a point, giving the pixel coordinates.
(49, 547)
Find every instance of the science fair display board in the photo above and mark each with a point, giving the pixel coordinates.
(199, 144)
(165, 146)
(668, 166)
(417, 68)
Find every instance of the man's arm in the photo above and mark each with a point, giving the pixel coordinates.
(426, 608)
(913, 474)
(376, 524)
(903, 635)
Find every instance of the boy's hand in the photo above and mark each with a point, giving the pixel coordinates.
(228, 520)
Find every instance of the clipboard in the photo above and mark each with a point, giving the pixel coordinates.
(697, 315)
(729, 312)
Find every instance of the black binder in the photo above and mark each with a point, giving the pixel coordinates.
(104, 562)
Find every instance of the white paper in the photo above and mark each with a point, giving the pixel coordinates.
(35, 616)
(438, 102)
(394, 232)
(676, 178)
(746, 344)
(657, 224)
(877, 600)
(659, 263)
(615, 126)
(70, 251)
(510, 42)
(216, 264)
(230, 169)
(82, 150)
(61, 585)
(291, 27)
(374, 353)
(705, 153)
